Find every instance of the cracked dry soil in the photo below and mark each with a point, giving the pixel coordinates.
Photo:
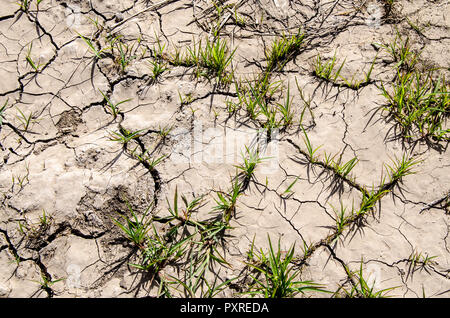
(63, 180)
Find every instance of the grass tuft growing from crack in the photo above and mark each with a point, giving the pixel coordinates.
(159, 251)
(157, 68)
(280, 279)
(98, 53)
(362, 289)
(420, 106)
(282, 51)
(25, 120)
(341, 219)
(46, 283)
(251, 159)
(24, 5)
(124, 136)
(419, 261)
(114, 108)
(226, 202)
(35, 66)
(195, 285)
(125, 56)
(344, 170)
(401, 53)
(134, 228)
(311, 150)
(401, 167)
(326, 71)
(211, 60)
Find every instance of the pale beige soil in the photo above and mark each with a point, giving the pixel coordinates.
(71, 169)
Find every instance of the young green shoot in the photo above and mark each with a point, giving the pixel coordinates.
(226, 202)
(35, 66)
(282, 51)
(311, 150)
(280, 279)
(340, 219)
(288, 192)
(124, 136)
(46, 282)
(114, 108)
(401, 167)
(157, 68)
(26, 121)
(346, 168)
(326, 71)
(24, 5)
(124, 59)
(150, 161)
(369, 199)
(286, 111)
(158, 251)
(362, 289)
(134, 228)
(251, 158)
(97, 53)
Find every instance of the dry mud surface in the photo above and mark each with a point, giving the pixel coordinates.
(63, 180)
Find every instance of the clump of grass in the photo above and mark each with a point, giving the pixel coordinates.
(186, 99)
(251, 158)
(286, 111)
(21, 179)
(159, 251)
(211, 60)
(282, 51)
(35, 230)
(239, 19)
(401, 53)
(24, 5)
(151, 162)
(114, 108)
(401, 167)
(195, 285)
(420, 261)
(254, 96)
(134, 228)
(344, 170)
(157, 68)
(181, 216)
(325, 70)
(124, 136)
(420, 105)
(125, 56)
(340, 219)
(216, 57)
(280, 279)
(46, 283)
(226, 202)
(369, 199)
(362, 289)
